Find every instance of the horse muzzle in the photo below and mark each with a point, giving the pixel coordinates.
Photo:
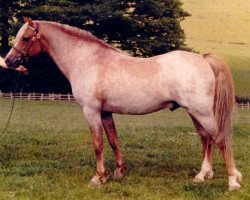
(14, 62)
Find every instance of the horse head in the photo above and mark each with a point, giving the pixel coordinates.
(27, 44)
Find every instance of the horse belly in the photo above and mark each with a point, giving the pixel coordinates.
(135, 106)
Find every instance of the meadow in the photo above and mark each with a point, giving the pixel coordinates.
(222, 27)
(47, 154)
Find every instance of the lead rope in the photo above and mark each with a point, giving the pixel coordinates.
(12, 107)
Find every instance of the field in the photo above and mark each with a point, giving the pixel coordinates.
(222, 27)
(47, 151)
(47, 154)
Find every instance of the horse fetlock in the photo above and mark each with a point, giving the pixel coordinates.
(120, 172)
(238, 176)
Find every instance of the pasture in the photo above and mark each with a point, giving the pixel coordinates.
(222, 27)
(47, 154)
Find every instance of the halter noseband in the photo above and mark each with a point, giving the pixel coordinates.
(25, 55)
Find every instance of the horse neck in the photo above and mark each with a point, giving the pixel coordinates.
(72, 54)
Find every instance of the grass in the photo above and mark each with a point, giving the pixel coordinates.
(47, 154)
(222, 27)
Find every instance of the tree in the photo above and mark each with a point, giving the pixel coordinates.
(8, 11)
(5, 19)
(142, 27)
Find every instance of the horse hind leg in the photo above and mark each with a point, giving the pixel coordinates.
(109, 127)
(207, 148)
(206, 167)
(209, 124)
(235, 176)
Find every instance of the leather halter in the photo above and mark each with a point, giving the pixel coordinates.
(25, 55)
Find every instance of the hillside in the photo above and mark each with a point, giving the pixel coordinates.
(222, 27)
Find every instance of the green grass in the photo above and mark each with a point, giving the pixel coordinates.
(222, 27)
(47, 154)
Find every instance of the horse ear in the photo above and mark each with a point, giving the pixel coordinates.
(28, 20)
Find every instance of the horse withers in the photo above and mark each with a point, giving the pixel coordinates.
(105, 80)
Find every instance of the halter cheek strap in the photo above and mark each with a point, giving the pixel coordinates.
(36, 37)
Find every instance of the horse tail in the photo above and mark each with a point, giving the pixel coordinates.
(224, 99)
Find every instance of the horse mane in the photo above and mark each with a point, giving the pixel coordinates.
(82, 34)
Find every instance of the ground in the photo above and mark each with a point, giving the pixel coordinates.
(47, 154)
(47, 151)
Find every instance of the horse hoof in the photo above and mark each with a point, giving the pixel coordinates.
(98, 180)
(233, 184)
(95, 183)
(198, 179)
(120, 172)
(236, 186)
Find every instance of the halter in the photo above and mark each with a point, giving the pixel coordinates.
(25, 55)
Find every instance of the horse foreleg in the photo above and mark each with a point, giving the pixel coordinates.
(93, 118)
(206, 167)
(109, 126)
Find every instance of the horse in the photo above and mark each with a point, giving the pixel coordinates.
(105, 80)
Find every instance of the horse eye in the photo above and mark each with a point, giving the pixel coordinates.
(26, 38)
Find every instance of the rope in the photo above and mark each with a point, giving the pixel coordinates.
(12, 107)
